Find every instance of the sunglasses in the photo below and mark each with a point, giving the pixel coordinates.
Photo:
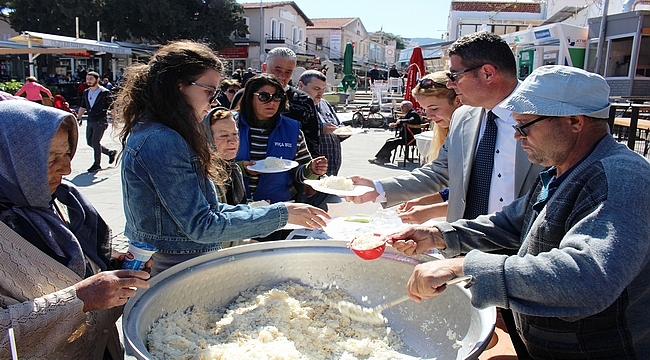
(265, 97)
(453, 76)
(429, 83)
(215, 91)
(231, 91)
(520, 129)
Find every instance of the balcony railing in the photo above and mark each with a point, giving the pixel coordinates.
(270, 40)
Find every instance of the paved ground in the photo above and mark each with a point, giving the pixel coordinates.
(104, 190)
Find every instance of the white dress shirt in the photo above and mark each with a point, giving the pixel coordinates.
(502, 184)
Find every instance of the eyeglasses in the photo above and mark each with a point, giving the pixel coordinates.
(265, 97)
(453, 76)
(231, 91)
(215, 91)
(520, 129)
(427, 83)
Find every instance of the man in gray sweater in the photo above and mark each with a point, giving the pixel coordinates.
(578, 286)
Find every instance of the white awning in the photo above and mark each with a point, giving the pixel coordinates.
(58, 41)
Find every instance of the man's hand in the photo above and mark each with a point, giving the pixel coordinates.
(428, 279)
(109, 289)
(415, 240)
(329, 128)
(367, 197)
(319, 165)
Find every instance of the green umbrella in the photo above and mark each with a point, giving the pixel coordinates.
(349, 80)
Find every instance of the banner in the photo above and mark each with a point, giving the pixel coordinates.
(390, 55)
(335, 44)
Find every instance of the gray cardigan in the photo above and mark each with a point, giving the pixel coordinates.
(581, 277)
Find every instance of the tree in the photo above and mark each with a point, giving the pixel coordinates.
(398, 39)
(53, 16)
(212, 21)
(160, 21)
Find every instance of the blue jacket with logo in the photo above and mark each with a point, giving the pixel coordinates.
(282, 143)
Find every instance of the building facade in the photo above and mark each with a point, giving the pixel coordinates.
(270, 24)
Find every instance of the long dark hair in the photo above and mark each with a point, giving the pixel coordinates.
(245, 105)
(153, 90)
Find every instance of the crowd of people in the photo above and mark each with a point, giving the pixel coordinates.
(544, 209)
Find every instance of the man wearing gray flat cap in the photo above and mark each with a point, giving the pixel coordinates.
(579, 286)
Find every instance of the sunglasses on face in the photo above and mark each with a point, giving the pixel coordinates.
(265, 97)
(215, 91)
(520, 128)
(453, 76)
(231, 91)
(429, 83)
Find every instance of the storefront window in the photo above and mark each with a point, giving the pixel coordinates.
(643, 64)
(63, 67)
(620, 51)
(467, 29)
(592, 50)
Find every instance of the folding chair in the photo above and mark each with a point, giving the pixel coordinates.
(409, 149)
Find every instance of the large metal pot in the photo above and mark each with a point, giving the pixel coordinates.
(216, 279)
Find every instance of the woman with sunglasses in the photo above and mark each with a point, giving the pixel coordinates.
(439, 104)
(169, 170)
(228, 89)
(264, 132)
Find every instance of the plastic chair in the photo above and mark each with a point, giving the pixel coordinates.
(395, 85)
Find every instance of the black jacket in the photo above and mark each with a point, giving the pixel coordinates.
(97, 112)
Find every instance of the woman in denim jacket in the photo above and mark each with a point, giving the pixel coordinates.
(169, 170)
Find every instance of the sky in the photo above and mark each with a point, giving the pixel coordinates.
(407, 18)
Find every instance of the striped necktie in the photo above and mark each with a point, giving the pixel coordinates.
(478, 191)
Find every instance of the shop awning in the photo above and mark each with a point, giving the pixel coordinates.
(58, 42)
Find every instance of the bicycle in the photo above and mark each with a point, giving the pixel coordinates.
(373, 119)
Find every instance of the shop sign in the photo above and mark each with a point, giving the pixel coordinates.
(288, 15)
(235, 52)
(80, 54)
(542, 34)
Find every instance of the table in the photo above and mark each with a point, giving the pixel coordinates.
(621, 130)
(423, 142)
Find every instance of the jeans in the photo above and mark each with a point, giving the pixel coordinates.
(94, 132)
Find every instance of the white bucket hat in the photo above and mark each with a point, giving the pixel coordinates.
(557, 90)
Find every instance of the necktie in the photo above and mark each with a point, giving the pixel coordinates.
(478, 191)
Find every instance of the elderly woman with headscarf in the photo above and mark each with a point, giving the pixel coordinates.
(56, 288)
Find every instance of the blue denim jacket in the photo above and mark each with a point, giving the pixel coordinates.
(170, 203)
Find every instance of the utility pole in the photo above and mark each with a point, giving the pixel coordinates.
(262, 58)
(601, 38)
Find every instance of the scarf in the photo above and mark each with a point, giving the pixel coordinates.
(26, 133)
(237, 193)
